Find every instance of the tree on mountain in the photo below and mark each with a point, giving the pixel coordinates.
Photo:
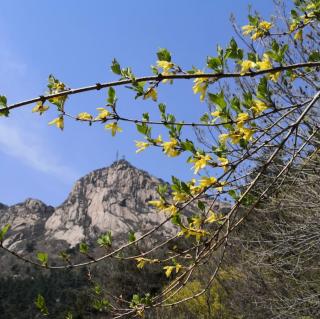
(262, 98)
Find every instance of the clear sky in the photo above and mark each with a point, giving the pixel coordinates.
(76, 41)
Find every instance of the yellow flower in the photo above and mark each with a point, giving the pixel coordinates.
(298, 35)
(142, 261)
(141, 146)
(103, 114)
(265, 63)
(160, 204)
(172, 209)
(40, 108)
(169, 148)
(265, 25)
(200, 162)
(151, 93)
(200, 86)
(257, 35)
(158, 140)
(293, 26)
(224, 162)
(258, 107)
(247, 29)
(212, 218)
(169, 270)
(246, 65)
(84, 116)
(274, 76)
(165, 65)
(216, 114)
(179, 197)
(196, 222)
(193, 188)
(207, 181)
(223, 138)
(235, 137)
(246, 133)
(242, 117)
(114, 128)
(58, 122)
(220, 188)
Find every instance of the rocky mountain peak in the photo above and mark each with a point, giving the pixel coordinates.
(108, 199)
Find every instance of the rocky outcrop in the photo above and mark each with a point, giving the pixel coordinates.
(27, 220)
(108, 199)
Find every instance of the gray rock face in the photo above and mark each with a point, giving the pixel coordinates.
(109, 199)
(27, 220)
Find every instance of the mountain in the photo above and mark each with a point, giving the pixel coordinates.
(108, 199)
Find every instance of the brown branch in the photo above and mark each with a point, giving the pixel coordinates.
(159, 78)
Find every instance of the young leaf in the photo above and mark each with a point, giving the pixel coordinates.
(43, 258)
(164, 55)
(3, 231)
(115, 67)
(105, 240)
(131, 236)
(41, 305)
(3, 106)
(111, 96)
(3, 101)
(84, 248)
(218, 99)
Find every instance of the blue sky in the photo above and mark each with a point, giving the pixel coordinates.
(76, 41)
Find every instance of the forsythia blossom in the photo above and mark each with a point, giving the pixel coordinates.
(170, 149)
(200, 162)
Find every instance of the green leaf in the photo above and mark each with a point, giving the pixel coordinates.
(3, 231)
(235, 104)
(3, 106)
(41, 305)
(233, 51)
(248, 200)
(188, 146)
(111, 96)
(164, 55)
(69, 315)
(3, 101)
(162, 108)
(263, 92)
(84, 248)
(43, 258)
(233, 194)
(162, 189)
(201, 206)
(131, 236)
(105, 240)
(144, 129)
(115, 67)
(101, 305)
(314, 56)
(252, 57)
(4, 112)
(214, 63)
(205, 118)
(145, 117)
(218, 99)
(176, 219)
